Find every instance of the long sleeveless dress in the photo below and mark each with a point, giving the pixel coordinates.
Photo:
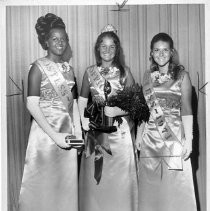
(162, 188)
(118, 187)
(50, 177)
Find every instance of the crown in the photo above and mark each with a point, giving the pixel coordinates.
(109, 28)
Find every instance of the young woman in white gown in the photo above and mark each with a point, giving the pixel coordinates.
(117, 189)
(50, 177)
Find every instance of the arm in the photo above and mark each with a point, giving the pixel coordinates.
(186, 115)
(34, 82)
(116, 111)
(83, 100)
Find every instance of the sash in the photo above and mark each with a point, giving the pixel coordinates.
(58, 82)
(171, 141)
(95, 77)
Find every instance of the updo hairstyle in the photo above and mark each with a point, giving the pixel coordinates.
(45, 24)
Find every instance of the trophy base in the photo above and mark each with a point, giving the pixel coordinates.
(74, 141)
(105, 129)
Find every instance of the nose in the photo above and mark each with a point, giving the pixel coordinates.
(161, 53)
(107, 49)
(59, 42)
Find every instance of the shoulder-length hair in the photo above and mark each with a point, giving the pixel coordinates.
(174, 67)
(116, 61)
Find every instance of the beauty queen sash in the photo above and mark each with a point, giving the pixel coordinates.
(58, 82)
(169, 138)
(95, 77)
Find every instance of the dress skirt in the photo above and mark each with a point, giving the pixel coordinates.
(50, 175)
(117, 189)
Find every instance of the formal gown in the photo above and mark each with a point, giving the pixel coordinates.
(50, 177)
(117, 189)
(162, 188)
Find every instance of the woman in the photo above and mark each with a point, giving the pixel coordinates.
(50, 173)
(113, 186)
(165, 141)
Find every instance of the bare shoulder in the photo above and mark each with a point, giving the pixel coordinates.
(34, 71)
(129, 77)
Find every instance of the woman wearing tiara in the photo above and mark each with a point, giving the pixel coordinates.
(111, 185)
(50, 178)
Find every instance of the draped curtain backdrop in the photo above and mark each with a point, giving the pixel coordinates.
(136, 25)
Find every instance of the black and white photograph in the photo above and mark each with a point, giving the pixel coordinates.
(104, 105)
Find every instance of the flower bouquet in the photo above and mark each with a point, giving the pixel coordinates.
(131, 100)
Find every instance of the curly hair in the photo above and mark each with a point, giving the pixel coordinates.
(174, 68)
(116, 61)
(45, 24)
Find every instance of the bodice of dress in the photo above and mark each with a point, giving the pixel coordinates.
(50, 102)
(47, 93)
(168, 94)
(112, 76)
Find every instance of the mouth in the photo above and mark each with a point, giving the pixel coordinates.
(161, 59)
(107, 54)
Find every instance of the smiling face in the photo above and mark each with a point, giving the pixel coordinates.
(57, 42)
(161, 53)
(107, 50)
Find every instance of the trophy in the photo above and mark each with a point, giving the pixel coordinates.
(98, 120)
(106, 121)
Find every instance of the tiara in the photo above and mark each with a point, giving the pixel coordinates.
(109, 28)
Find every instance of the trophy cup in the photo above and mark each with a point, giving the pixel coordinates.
(95, 112)
(106, 121)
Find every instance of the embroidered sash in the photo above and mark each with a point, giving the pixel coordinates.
(58, 82)
(169, 138)
(95, 77)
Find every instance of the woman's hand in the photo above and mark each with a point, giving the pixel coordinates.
(188, 130)
(59, 139)
(187, 149)
(62, 142)
(113, 111)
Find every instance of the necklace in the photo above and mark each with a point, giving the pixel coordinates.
(160, 78)
(106, 70)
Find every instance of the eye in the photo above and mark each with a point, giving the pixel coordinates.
(55, 39)
(155, 50)
(165, 50)
(64, 39)
(113, 47)
(103, 46)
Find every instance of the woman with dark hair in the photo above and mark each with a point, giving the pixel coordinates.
(108, 176)
(50, 180)
(165, 141)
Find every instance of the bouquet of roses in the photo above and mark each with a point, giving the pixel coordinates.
(131, 100)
